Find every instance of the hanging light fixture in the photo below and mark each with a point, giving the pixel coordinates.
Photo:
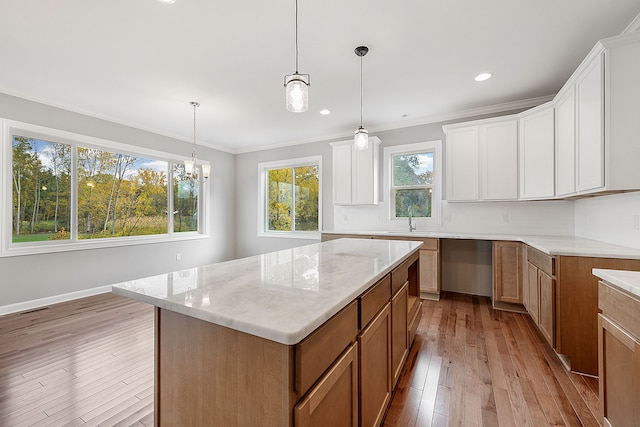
(296, 84)
(361, 138)
(190, 165)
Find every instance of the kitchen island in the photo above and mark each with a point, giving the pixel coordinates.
(293, 334)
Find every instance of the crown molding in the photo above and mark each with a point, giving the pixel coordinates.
(633, 26)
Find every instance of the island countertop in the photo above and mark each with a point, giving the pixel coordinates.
(282, 296)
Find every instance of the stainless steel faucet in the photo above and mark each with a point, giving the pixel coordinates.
(411, 225)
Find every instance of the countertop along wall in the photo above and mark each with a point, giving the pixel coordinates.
(34, 280)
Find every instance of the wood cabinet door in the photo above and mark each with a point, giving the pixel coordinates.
(462, 164)
(374, 345)
(399, 335)
(507, 272)
(619, 371)
(534, 305)
(429, 281)
(547, 320)
(333, 401)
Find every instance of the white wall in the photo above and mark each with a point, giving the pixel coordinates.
(554, 217)
(37, 277)
(613, 219)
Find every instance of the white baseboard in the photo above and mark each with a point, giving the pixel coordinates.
(37, 303)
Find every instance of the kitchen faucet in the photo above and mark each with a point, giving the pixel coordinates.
(411, 225)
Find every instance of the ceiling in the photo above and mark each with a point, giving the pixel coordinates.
(140, 62)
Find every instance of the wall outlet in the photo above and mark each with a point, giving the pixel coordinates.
(178, 256)
(506, 218)
(447, 218)
(636, 222)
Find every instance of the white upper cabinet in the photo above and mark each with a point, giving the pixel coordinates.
(482, 160)
(463, 147)
(355, 173)
(537, 153)
(499, 148)
(589, 89)
(566, 143)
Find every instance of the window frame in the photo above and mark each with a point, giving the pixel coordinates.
(263, 168)
(436, 195)
(75, 140)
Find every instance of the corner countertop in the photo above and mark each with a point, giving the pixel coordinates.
(281, 296)
(551, 245)
(627, 281)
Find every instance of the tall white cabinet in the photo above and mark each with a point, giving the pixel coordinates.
(537, 152)
(482, 160)
(355, 173)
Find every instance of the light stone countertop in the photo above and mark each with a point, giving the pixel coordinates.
(551, 245)
(628, 281)
(281, 296)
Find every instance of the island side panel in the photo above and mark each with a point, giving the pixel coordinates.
(207, 374)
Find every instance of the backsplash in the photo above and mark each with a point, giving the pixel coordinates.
(531, 218)
(612, 219)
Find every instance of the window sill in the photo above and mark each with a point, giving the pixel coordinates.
(40, 248)
(290, 235)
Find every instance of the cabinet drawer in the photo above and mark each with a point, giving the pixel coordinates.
(320, 349)
(400, 274)
(373, 299)
(541, 260)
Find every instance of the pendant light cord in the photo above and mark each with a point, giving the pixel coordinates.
(193, 153)
(296, 36)
(360, 91)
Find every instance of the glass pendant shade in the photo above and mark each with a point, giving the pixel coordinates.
(188, 167)
(361, 139)
(297, 92)
(206, 169)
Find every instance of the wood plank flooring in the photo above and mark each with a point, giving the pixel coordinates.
(471, 365)
(90, 362)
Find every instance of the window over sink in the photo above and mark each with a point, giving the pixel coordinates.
(413, 178)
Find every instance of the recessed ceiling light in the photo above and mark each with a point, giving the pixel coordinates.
(167, 1)
(483, 76)
(325, 112)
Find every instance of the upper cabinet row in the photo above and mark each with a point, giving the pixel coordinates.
(585, 141)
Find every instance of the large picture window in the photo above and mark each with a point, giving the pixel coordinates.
(290, 197)
(67, 189)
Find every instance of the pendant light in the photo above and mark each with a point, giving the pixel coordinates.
(361, 138)
(296, 84)
(190, 165)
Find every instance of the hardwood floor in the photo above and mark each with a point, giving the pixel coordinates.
(473, 366)
(90, 361)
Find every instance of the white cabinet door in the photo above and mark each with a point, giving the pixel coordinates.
(537, 153)
(342, 174)
(590, 119)
(499, 148)
(566, 143)
(355, 173)
(462, 164)
(364, 176)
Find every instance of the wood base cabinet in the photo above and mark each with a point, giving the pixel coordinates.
(541, 294)
(619, 357)
(507, 272)
(334, 400)
(375, 369)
